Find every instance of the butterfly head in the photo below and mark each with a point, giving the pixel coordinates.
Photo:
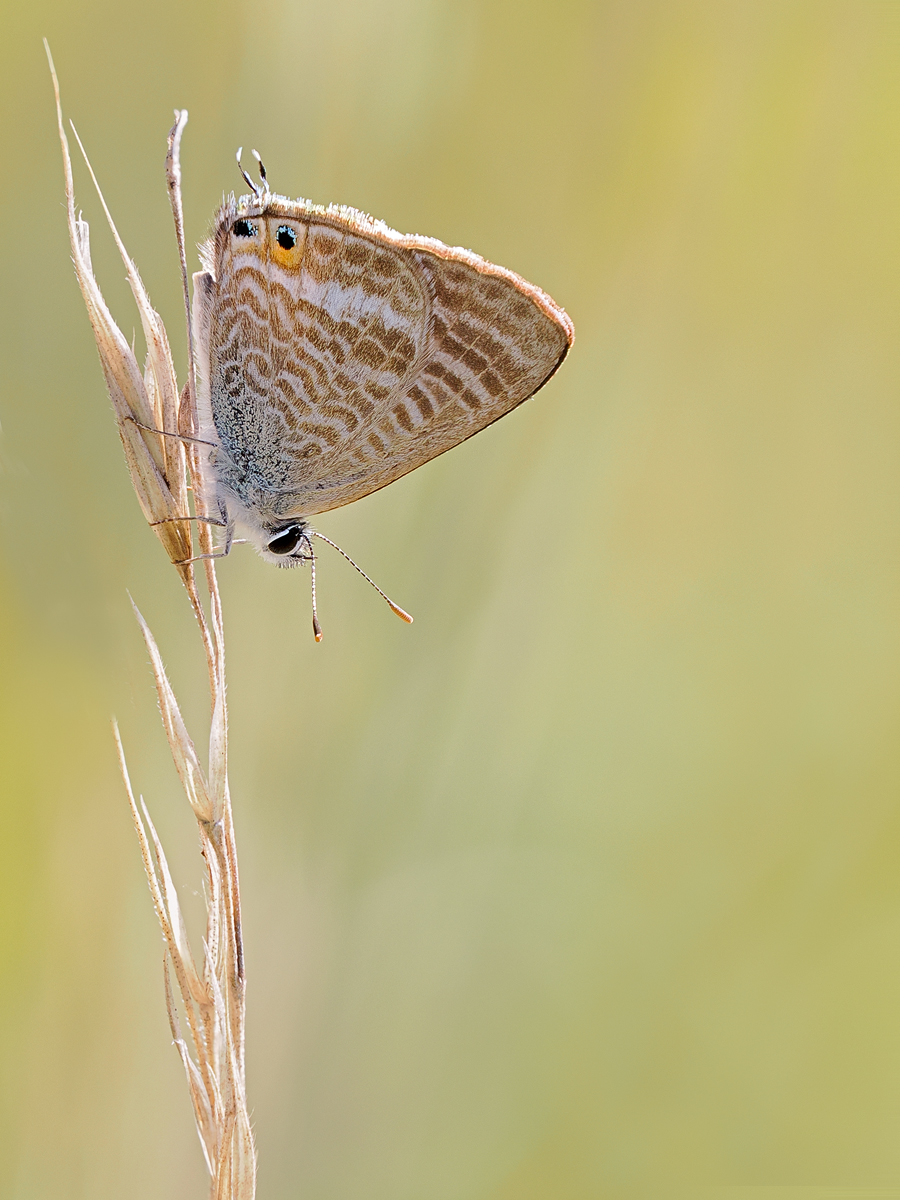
(290, 544)
(287, 545)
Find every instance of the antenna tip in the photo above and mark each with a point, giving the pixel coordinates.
(317, 628)
(401, 613)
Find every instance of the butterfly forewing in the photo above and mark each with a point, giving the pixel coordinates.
(337, 355)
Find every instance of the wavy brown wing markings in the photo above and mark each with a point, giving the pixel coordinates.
(493, 342)
(381, 310)
(399, 347)
(359, 322)
(300, 376)
(258, 331)
(253, 406)
(341, 334)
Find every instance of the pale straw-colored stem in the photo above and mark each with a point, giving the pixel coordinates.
(206, 1000)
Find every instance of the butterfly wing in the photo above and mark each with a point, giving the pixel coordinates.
(489, 342)
(342, 364)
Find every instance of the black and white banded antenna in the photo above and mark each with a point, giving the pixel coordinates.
(395, 608)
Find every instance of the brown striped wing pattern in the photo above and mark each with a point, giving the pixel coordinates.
(336, 355)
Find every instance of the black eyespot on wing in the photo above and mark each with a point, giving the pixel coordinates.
(285, 237)
(244, 228)
(285, 540)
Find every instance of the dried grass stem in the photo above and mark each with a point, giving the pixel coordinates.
(155, 422)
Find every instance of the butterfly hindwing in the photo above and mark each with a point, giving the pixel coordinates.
(337, 355)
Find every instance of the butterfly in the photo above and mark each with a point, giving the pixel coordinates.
(334, 355)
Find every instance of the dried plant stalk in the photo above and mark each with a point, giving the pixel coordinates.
(155, 424)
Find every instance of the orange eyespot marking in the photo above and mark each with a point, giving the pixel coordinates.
(287, 241)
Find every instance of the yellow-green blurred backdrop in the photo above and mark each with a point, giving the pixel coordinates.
(588, 884)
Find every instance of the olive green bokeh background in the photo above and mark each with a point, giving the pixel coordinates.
(588, 884)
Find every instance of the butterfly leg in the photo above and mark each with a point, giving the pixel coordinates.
(230, 539)
(199, 557)
(182, 437)
(207, 520)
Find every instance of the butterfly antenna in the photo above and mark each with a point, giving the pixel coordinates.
(317, 628)
(254, 187)
(395, 608)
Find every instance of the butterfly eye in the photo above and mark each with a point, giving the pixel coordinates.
(244, 229)
(286, 540)
(285, 237)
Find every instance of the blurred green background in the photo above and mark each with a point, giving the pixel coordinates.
(588, 884)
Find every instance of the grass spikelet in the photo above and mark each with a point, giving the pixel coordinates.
(205, 999)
